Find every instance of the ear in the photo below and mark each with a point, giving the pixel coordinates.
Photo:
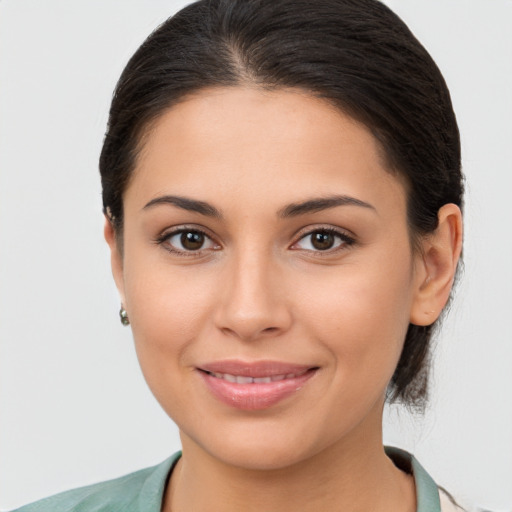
(436, 266)
(116, 258)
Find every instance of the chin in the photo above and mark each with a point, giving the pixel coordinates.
(261, 445)
(258, 457)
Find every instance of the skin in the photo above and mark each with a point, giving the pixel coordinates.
(259, 290)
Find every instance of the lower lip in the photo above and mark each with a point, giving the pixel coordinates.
(254, 396)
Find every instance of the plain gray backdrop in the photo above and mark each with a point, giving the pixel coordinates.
(74, 406)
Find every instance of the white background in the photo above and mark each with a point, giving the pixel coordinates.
(74, 407)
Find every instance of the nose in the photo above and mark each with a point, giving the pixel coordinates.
(253, 303)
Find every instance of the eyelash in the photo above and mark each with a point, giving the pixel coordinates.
(345, 241)
(164, 239)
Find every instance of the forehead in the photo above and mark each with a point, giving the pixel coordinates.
(251, 142)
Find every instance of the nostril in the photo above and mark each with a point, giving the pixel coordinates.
(251, 334)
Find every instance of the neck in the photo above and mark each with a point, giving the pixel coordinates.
(353, 475)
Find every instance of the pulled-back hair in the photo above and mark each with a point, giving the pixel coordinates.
(356, 54)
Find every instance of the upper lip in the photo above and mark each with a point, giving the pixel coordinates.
(254, 369)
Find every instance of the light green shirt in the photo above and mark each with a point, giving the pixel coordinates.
(143, 490)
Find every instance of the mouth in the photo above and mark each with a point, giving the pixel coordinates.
(254, 386)
(246, 379)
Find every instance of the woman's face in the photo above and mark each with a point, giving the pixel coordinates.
(264, 239)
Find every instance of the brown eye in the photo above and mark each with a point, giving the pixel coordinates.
(188, 241)
(322, 240)
(192, 240)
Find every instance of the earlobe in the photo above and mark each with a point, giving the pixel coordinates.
(439, 259)
(116, 258)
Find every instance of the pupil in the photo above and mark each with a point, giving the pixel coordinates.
(192, 240)
(322, 241)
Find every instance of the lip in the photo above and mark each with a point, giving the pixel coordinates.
(256, 395)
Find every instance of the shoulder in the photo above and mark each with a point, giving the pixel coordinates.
(135, 492)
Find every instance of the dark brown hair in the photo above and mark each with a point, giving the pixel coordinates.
(356, 54)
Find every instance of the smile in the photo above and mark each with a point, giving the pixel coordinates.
(245, 379)
(254, 386)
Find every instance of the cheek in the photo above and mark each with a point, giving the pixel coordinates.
(168, 310)
(361, 316)
(362, 322)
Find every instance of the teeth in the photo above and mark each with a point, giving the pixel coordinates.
(242, 379)
(263, 380)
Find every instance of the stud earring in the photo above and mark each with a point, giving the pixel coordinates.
(123, 315)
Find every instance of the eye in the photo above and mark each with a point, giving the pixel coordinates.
(187, 240)
(323, 240)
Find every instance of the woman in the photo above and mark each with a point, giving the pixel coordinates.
(282, 192)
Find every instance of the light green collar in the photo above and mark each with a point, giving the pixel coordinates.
(427, 492)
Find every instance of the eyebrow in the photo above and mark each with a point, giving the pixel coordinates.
(322, 203)
(191, 205)
(292, 210)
